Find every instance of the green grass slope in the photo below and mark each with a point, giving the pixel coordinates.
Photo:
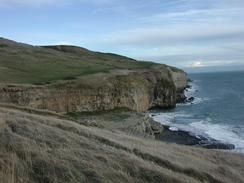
(22, 63)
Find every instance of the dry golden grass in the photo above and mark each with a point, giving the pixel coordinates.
(44, 149)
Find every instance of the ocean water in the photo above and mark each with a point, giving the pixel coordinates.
(217, 111)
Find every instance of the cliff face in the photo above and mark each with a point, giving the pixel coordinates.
(179, 79)
(136, 90)
(74, 79)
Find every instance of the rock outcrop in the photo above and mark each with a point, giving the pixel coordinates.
(147, 127)
(179, 78)
(137, 90)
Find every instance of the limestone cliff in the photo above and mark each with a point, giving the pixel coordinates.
(138, 90)
(179, 79)
(73, 79)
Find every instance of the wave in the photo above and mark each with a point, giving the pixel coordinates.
(169, 118)
(221, 132)
(189, 120)
(197, 100)
(191, 92)
(205, 128)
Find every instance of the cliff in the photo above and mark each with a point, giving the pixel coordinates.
(122, 82)
(135, 90)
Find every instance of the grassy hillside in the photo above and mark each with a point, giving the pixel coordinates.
(44, 149)
(22, 63)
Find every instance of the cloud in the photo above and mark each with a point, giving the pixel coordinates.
(179, 34)
(196, 15)
(193, 23)
(187, 33)
(212, 63)
(197, 64)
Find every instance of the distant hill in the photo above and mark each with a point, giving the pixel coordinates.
(23, 63)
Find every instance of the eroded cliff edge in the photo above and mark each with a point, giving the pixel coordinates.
(137, 90)
(73, 79)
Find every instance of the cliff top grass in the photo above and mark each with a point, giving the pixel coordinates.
(25, 64)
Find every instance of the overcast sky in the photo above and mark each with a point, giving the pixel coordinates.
(183, 33)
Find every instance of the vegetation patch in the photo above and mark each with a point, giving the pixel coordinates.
(116, 115)
(35, 65)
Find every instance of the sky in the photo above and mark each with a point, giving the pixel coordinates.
(189, 34)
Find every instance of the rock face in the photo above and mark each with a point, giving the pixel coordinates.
(180, 80)
(136, 90)
(147, 127)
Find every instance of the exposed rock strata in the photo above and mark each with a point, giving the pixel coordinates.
(147, 127)
(136, 90)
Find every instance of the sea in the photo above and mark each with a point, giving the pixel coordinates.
(217, 111)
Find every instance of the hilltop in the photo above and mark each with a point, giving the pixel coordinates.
(22, 63)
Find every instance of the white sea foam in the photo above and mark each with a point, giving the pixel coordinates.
(174, 129)
(206, 128)
(220, 132)
(197, 100)
(164, 118)
(179, 120)
(191, 92)
(169, 119)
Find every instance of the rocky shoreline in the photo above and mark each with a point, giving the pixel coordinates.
(186, 138)
(143, 125)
